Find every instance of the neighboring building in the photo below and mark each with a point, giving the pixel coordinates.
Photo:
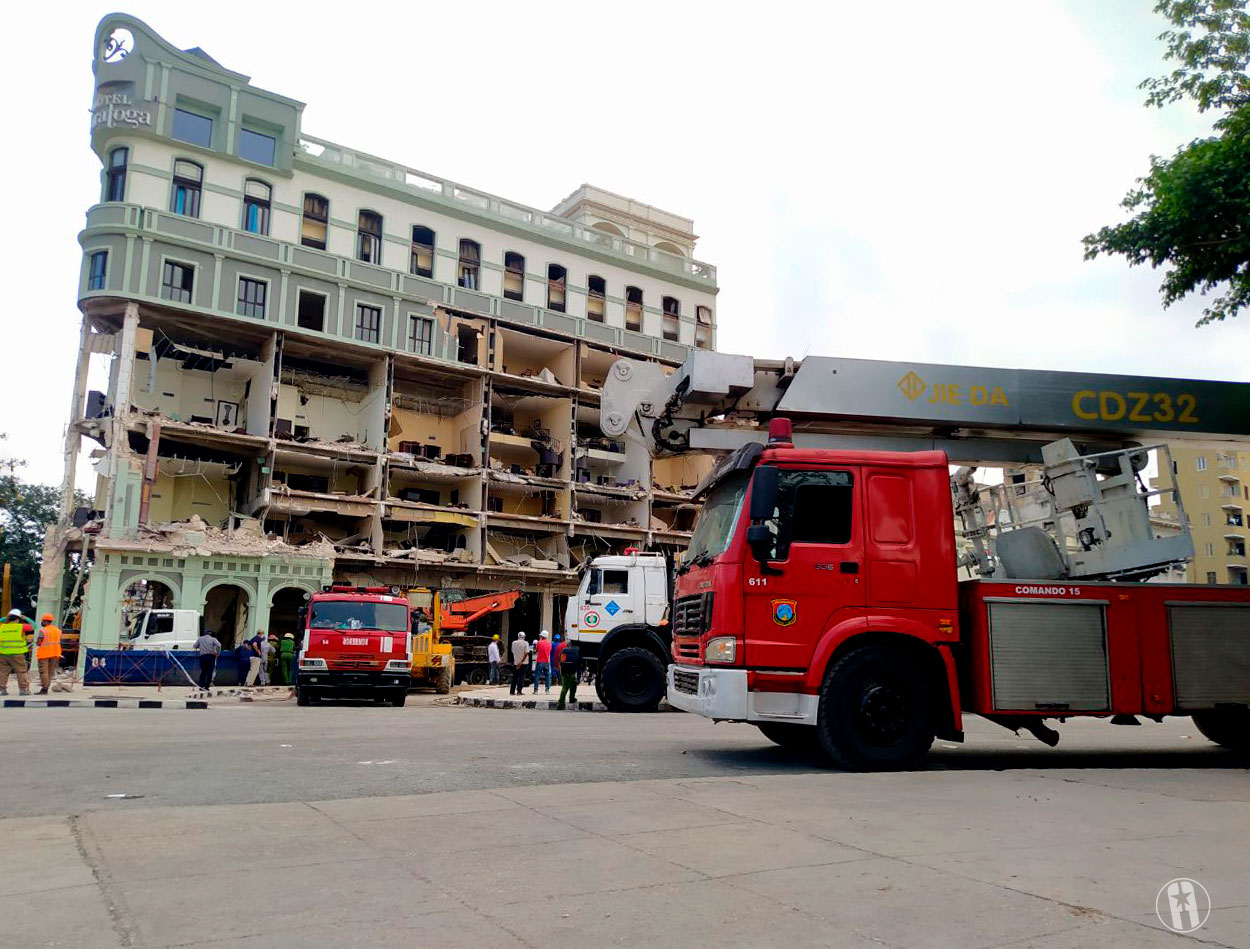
(327, 364)
(1214, 485)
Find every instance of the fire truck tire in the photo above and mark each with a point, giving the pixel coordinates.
(442, 685)
(632, 680)
(399, 698)
(874, 711)
(301, 698)
(790, 736)
(1229, 727)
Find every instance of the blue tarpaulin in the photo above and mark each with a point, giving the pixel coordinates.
(157, 666)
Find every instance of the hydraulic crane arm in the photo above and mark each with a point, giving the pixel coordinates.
(720, 401)
(456, 616)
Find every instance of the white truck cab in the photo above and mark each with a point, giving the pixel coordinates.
(163, 629)
(618, 619)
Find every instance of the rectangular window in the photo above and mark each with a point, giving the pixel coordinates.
(1203, 491)
(557, 280)
(513, 276)
(97, 270)
(1206, 520)
(256, 200)
(253, 146)
(315, 222)
(115, 186)
(470, 261)
(1211, 576)
(1202, 462)
(422, 263)
(369, 237)
(633, 309)
(368, 323)
(421, 335)
(177, 282)
(1209, 550)
(596, 295)
(703, 327)
(252, 297)
(813, 507)
(615, 582)
(672, 318)
(311, 312)
(188, 177)
(192, 128)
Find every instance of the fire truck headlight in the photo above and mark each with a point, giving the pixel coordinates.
(721, 649)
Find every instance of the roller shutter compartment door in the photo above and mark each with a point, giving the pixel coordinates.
(1049, 656)
(1210, 655)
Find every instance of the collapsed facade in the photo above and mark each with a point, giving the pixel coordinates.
(325, 365)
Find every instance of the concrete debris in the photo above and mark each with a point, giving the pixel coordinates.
(193, 537)
(523, 560)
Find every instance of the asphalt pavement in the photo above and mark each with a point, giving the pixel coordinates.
(271, 825)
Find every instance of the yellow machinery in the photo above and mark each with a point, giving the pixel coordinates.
(441, 613)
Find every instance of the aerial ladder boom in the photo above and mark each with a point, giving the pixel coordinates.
(1086, 431)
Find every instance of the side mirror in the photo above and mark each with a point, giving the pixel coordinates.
(764, 487)
(760, 540)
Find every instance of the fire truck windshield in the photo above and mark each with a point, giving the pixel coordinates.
(349, 614)
(719, 515)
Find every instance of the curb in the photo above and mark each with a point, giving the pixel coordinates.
(101, 703)
(546, 705)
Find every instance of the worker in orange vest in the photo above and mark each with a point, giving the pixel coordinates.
(47, 650)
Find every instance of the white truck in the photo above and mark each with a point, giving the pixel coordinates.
(164, 629)
(619, 620)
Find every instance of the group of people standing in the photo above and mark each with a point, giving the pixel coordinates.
(267, 659)
(545, 656)
(14, 650)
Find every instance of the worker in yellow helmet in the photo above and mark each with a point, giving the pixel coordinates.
(13, 650)
(492, 654)
(47, 650)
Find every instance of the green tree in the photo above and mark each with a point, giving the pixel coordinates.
(1191, 213)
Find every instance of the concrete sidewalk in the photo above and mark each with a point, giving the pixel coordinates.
(497, 696)
(145, 696)
(926, 859)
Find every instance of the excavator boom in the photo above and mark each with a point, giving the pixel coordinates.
(456, 617)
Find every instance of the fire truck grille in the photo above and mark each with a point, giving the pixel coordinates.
(687, 682)
(691, 614)
(686, 649)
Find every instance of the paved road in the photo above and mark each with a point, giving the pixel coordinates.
(451, 826)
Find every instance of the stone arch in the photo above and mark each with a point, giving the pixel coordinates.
(670, 247)
(130, 609)
(228, 616)
(284, 604)
(608, 228)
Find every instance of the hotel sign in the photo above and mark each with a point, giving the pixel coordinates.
(112, 109)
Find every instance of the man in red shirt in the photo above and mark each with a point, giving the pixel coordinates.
(542, 661)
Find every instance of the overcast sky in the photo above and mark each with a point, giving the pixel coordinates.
(909, 184)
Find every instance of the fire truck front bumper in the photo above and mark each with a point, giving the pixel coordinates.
(722, 695)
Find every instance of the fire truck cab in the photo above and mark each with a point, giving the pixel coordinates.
(354, 642)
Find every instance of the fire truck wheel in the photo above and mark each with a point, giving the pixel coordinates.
(442, 685)
(301, 697)
(789, 736)
(1229, 727)
(633, 680)
(399, 698)
(874, 710)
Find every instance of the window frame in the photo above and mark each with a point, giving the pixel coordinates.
(358, 328)
(558, 289)
(417, 247)
(369, 239)
(306, 216)
(212, 122)
(192, 189)
(264, 206)
(245, 130)
(193, 269)
(518, 272)
(97, 281)
(240, 305)
(422, 344)
(784, 514)
(670, 316)
(114, 173)
(596, 300)
(633, 308)
(468, 269)
(325, 306)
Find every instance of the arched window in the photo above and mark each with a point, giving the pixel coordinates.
(256, 202)
(316, 221)
(188, 178)
(369, 237)
(670, 248)
(470, 262)
(115, 186)
(633, 309)
(422, 263)
(557, 282)
(672, 318)
(596, 293)
(513, 276)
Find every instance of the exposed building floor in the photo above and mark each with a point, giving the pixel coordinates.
(385, 826)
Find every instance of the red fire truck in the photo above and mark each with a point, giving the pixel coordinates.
(355, 642)
(819, 598)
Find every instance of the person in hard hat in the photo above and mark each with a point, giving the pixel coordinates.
(542, 661)
(492, 655)
(47, 650)
(13, 649)
(520, 653)
(286, 659)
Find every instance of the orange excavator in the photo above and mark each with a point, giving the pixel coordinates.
(441, 639)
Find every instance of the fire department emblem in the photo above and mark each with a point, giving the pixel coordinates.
(785, 612)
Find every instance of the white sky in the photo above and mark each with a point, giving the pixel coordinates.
(910, 185)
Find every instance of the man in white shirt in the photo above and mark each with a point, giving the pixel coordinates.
(492, 655)
(520, 653)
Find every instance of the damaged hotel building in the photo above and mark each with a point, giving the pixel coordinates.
(326, 365)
